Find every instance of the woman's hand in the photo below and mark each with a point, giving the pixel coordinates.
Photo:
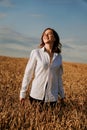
(63, 103)
(22, 101)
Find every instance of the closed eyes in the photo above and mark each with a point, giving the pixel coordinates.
(48, 34)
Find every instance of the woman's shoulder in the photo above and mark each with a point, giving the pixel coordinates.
(60, 56)
(35, 51)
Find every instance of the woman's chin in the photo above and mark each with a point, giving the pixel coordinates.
(47, 41)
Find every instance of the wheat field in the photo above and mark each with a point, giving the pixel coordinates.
(15, 116)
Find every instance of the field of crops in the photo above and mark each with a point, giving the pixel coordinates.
(15, 116)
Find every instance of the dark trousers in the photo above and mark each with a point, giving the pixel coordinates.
(42, 102)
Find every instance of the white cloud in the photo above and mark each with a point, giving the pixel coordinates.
(13, 46)
(7, 33)
(6, 3)
(35, 15)
(74, 43)
(74, 50)
(13, 43)
(15, 50)
(2, 15)
(68, 40)
(61, 1)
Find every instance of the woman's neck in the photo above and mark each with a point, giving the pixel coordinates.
(49, 51)
(48, 48)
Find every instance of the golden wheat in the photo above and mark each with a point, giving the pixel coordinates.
(14, 116)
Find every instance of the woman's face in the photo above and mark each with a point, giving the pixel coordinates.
(48, 37)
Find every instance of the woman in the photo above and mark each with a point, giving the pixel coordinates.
(45, 64)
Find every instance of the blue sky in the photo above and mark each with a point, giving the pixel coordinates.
(23, 21)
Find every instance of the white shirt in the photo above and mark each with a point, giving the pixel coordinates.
(47, 80)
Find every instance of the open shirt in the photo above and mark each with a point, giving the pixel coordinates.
(47, 82)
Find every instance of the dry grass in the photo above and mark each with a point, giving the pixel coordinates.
(13, 116)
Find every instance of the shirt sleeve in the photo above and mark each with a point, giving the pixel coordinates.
(28, 74)
(60, 83)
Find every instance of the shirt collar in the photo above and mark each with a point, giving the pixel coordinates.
(43, 48)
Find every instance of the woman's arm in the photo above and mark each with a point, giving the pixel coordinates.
(60, 83)
(29, 71)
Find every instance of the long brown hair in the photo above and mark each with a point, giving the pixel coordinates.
(57, 45)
